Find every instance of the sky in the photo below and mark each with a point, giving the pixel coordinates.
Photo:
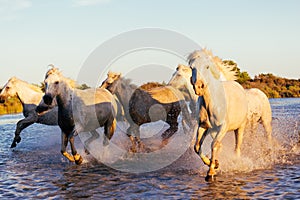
(261, 36)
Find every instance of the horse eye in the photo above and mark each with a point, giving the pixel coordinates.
(7, 87)
(56, 82)
(207, 66)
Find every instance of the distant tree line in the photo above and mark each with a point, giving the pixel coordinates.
(273, 86)
(13, 105)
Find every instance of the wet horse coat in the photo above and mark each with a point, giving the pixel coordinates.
(79, 110)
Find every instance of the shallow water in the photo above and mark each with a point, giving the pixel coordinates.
(36, 169)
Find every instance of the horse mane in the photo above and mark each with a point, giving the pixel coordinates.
(72, 83)
(150, 85)
(183, 67)
(31, 86)
(228, 71)
(127, 82)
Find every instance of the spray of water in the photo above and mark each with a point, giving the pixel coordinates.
(256, 152)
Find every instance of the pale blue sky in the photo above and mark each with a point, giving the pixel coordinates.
(262, 36)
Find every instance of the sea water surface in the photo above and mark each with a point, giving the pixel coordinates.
(35, 169)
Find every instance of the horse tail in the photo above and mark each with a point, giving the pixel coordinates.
(186, 116)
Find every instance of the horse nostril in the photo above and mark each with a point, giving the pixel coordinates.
(47, 99)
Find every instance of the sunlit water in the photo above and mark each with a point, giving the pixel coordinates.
(36, 169)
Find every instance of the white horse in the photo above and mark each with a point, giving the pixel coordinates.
(226, 103)
(181, 80)
(30, 96)
(79, 110)
(259, 109)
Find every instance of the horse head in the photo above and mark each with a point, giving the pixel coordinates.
(204, 70)
(9, 90)
(110, 83)
(181, 77)
(53, 83)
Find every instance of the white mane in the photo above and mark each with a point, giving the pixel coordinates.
(228, 72)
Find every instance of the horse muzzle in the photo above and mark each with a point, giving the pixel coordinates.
(48, 99)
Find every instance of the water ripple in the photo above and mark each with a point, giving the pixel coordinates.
(37, 170)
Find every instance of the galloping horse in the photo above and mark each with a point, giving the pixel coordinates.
(181, 80)
(122, 88)
(30, 96)
(259, 109)
(226, 104)
(79, 110)
(148, 103)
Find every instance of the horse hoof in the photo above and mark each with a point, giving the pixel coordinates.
(18, 139)
(217, 165)
(210, 178)
(79, 161)
(146, 150)
(105, 142)
(86, 151)
(132, 150)
(13, 145)
(196, 149)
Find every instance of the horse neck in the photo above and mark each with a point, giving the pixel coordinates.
(209, 96)
(191, 92)
(27, 95)
(215, 103)
(124, 94)
(64, 99)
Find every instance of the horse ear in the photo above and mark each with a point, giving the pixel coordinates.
(214, 72)
(51, 66)
(178, 67)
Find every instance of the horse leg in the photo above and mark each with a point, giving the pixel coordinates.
(204, 118)
(172, 121)
(215, 146)
(239, 133)
(76, 156)
(132, 131)
(22, 124)
(187, 120)
(254, 127)
(94, 136)
(109, 130)
(64, 143)
(201, 135)
(268, 128)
